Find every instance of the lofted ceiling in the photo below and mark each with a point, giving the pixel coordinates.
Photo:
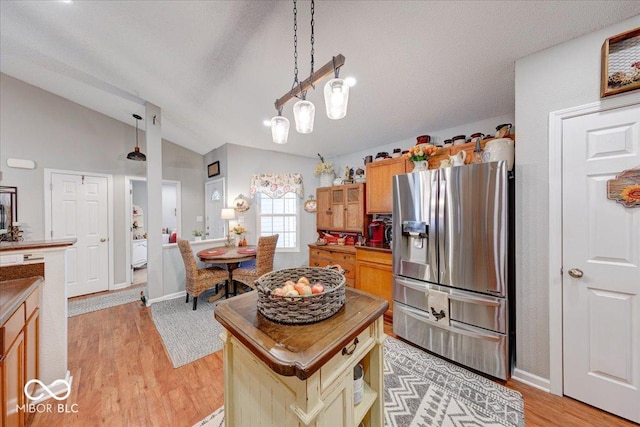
(216, 67)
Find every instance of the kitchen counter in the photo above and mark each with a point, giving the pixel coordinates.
(298, 375)
(15, 292)
(298, 350)
(36, 244)
(380, 248)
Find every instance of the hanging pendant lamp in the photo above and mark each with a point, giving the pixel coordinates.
(336, 95)
(280, 128)
(136, 154)
(304, 112)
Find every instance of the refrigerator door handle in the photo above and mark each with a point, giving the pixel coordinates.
(433, 205)
(474, 300)
(442, 193)
(413, 285)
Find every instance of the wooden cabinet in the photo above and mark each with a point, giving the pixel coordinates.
(379, 187)
(12, 368)
(374, 274)
(309, 381)
(341, 208)
(344, 256)
(323, 208)
(19, 358)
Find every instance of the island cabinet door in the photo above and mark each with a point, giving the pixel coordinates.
(338, 411)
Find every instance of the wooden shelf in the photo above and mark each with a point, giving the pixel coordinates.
(361, 409)
(444, 153)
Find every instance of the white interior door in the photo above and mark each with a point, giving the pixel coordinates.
(79, 209)
(214, 202)
(601, 263)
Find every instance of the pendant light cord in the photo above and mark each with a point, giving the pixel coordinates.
(136, 132)
(295, 46)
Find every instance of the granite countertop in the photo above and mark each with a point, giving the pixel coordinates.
(36, 244)
(15, 292)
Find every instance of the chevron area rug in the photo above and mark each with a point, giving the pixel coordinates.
(423, 390)
(76, 307)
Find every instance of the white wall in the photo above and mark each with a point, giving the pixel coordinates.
(59, 134)
(238, 163)
(564, 76)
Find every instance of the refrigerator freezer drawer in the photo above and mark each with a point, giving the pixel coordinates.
(484, 311)
(479, 349)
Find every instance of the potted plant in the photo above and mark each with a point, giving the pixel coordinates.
(197, 235)
(325, 171)
(239, 231)
(420, 154)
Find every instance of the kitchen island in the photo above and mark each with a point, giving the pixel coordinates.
(303, 375)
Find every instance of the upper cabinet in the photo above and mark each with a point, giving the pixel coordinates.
(341, 208)
(379, 197)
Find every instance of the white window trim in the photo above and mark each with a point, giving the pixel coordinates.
(298, 217)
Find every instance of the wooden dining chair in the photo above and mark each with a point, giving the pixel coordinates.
(199, 280)
(264, 262)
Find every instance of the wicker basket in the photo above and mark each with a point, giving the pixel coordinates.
(304, 308)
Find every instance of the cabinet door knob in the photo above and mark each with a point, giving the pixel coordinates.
(316, 264)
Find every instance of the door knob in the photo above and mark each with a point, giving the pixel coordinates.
(103, 240)
(575, 273)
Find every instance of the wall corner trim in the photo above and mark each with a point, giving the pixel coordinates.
(531, 379)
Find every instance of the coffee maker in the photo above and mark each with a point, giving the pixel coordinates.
(376, 232)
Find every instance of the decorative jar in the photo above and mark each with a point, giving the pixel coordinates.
(326, 179)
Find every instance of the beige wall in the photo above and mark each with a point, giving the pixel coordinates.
(59, 134)
(564, 76)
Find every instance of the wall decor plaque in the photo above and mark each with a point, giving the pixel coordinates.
(625, 189)
(621, 63)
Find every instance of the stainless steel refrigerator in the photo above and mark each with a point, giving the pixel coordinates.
(450, 264)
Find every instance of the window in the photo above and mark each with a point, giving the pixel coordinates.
(279, 216)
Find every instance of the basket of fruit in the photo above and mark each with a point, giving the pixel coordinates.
(301, 295)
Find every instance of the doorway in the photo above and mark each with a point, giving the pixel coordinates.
(136, 233)
(79, 205)
(595, 354)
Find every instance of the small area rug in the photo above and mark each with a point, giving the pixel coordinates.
(100, 302)
(424, 390)
(187, 335)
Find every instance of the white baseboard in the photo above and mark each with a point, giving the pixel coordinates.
(55, 388)
(120, 286)
(530, 379)
(167, 297)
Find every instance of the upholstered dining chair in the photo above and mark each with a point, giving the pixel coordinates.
(264, 262)
(199, 280)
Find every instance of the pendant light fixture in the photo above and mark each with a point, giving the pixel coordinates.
(336, 95)
(336, 91)
(136, 154)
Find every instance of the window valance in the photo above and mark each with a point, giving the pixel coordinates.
(276, 185)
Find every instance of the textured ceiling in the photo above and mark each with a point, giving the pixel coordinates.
(216, 67)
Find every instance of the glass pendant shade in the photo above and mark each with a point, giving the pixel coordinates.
(280, 129)
(336, 98)
(304, 113)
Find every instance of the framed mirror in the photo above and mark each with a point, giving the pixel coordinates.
(8, 207)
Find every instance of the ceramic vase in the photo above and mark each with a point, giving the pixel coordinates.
(326, 179)
(420, 165)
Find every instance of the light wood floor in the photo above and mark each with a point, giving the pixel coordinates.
(122, 376)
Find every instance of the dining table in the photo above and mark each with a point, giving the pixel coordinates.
(231, 256)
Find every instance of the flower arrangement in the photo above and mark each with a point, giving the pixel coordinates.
(323, 167)
(420, 152)
(239, 229)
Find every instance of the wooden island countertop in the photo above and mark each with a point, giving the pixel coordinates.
(15, 292)
(298, 350)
